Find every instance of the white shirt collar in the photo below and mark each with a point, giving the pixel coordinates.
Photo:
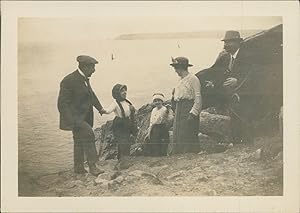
(185, 77)
(235, 54)
(81, 73)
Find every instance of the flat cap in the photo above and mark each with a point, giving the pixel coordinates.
(85, 59)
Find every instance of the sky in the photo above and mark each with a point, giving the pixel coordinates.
(110, 26)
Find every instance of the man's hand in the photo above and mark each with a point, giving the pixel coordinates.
(230, 82)
(209, 84)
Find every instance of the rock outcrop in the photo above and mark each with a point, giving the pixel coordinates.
(213, 133)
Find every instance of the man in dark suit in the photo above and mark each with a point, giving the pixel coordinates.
(75, 104)
(226, 81)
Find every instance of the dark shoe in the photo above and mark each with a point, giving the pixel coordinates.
(124, 164)
(80, 171)
(95, 171)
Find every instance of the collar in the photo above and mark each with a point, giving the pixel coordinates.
(187, 76)
(81, 73)
(235, 54)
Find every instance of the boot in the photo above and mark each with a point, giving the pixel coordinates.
(78, 159)
(80, 170)
(94, 170)
(124, 163)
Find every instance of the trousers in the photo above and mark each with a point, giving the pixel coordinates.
(84, 143)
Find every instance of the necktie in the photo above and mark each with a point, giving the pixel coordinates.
(89, 85)
(231, 63)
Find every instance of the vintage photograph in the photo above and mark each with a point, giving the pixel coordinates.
(150, 106)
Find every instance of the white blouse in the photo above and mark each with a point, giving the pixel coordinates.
(189, 88)
(160, 116)
(114, 107)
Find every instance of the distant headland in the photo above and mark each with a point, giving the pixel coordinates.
(210, 34)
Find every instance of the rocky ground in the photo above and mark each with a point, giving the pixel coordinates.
(221, 169)
(240, 170)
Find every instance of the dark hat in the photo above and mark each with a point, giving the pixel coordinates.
(232, 35)
(180, 61)
(85, 59)
(117, 90)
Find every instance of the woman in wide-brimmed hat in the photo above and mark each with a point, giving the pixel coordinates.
(187, 98)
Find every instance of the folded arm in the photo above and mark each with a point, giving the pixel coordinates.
(196, 109)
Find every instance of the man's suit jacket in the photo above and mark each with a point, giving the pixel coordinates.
(219, 71)
(76, 101)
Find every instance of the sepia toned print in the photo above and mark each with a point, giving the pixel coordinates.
(219, 132)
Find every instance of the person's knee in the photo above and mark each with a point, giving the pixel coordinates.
(84, 134)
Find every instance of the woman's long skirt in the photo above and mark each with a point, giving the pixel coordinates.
(185, 131)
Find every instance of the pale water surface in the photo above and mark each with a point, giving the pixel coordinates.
(141, 64)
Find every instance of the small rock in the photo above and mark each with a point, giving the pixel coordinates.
(154, 178)
(103, 185)
(234, 172)
(70, 185)
(212, 193)
(105, 176)
(131, 179)
(202, 179)
(111, 185)
(240, 182)
(59, 192)
(100, 181)
(202, 152)
(137, 173)
(197, 170)
(115, 175)
(219, 179)
(119, 179)
(160, 167)
(91, 186)
(175, 175)
(90, 178)
(258, 154)
(231, 172)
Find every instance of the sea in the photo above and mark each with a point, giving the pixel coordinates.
(143, 65)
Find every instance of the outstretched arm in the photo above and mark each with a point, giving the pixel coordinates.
(97, 104)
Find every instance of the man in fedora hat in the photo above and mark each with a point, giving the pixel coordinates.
(227, 77)
(187, 98)
(75, 104)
